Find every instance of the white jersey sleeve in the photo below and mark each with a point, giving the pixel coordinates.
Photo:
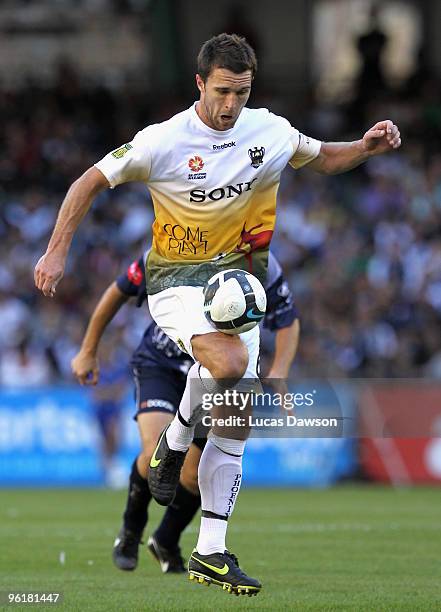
(131, 162)
(305, 149)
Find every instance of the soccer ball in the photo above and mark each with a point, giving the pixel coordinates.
(234, 301)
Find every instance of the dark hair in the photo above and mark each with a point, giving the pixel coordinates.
(228, 51)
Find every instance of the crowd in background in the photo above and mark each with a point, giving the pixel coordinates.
(361, 251)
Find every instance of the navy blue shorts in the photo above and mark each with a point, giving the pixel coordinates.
(159, 390)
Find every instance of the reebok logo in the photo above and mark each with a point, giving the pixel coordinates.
(225, 145)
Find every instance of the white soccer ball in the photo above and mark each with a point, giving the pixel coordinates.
(234, 301)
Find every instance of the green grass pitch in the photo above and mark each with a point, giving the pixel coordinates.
(347, 548)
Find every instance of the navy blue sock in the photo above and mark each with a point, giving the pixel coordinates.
(177, 516)
(138, 499)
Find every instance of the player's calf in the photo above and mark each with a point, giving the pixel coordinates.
(125, 548)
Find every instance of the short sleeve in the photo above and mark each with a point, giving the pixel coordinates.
(305, 149)
(281, 310)
(132, 282)
(130, 162)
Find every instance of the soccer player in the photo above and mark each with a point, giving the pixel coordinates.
(213, 172)
(160, 370)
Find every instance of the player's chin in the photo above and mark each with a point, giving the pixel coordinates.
(226, 122)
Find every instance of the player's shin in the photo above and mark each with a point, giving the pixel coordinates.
(181, 431)
(126, 545)
(220, 476)
(177, 516)
(139, 496)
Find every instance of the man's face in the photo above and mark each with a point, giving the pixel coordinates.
(223, 96)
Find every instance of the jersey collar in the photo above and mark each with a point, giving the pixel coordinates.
(223, 134)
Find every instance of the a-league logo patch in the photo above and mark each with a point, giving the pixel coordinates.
(256, 156)
(196, 163)
(118, 153)
(181, 345)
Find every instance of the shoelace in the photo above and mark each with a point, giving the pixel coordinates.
(232, 557)
(236, 562)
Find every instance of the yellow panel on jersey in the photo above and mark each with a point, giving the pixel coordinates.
(162, 273)
(220, 239)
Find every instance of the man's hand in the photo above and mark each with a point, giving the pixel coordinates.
(85, 367)
(384, 136)
(50, 268)
(48, 273)
(279, 386)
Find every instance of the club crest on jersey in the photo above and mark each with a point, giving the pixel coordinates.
(134, 274)
(196, 163)
(256, 156)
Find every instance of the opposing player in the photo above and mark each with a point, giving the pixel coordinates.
(213, 172)
(159, 369)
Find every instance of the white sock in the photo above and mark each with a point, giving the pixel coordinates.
(212, 536)
(199, 381)
(220, 476)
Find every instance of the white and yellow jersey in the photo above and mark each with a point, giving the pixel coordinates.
(214, 192)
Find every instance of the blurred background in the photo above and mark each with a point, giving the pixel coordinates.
(361, 251)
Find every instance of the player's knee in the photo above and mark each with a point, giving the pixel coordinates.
(231, 365)
(142, 464)
(148, 448)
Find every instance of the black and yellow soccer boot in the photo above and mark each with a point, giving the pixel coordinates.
(164, 471)
(221, 569)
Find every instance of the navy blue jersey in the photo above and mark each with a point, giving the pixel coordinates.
(157, 350)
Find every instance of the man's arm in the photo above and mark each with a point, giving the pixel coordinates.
(336, 157)
(286, 343)
(86, 361)
(50, 267)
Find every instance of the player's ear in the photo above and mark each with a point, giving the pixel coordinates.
(200, 83)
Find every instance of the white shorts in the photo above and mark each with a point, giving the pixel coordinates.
(179, 311)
